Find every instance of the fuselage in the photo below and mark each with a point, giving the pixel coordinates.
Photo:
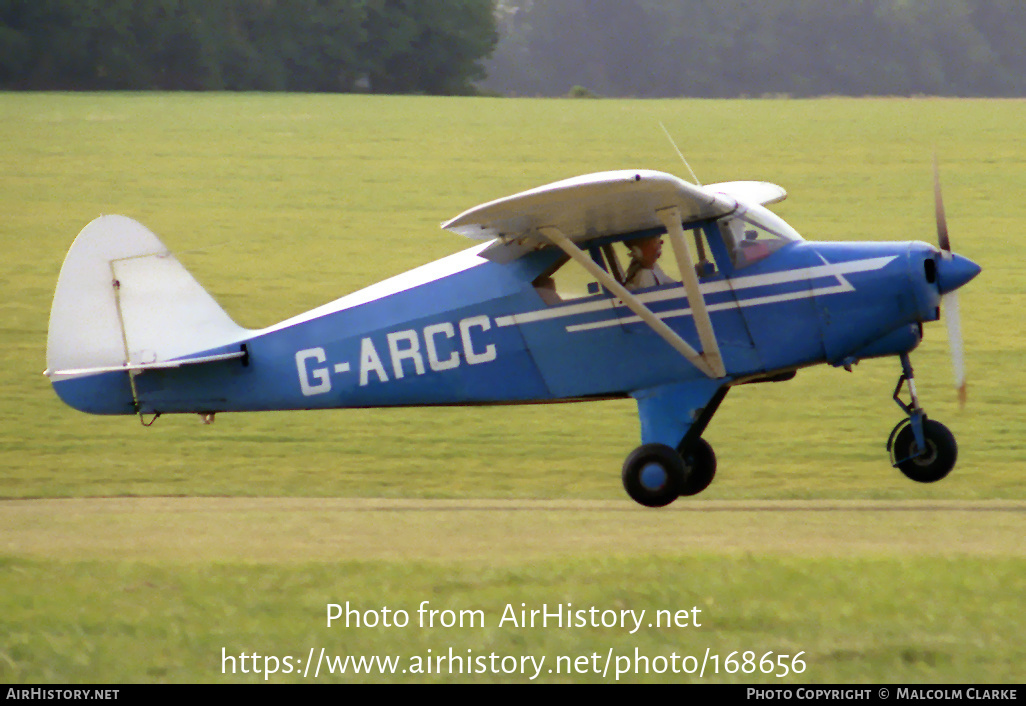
(467, 330)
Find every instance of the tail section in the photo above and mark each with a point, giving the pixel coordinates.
(124, 304)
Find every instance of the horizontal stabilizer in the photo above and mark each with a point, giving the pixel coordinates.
(150, 366)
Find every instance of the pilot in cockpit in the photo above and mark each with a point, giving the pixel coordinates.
(643, 271)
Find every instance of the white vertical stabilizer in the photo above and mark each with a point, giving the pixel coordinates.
(123, 299)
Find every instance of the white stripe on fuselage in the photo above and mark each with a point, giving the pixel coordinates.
(773, 278)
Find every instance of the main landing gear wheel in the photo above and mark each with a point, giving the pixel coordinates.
(938, 459)
(699, 467)
(654, 475)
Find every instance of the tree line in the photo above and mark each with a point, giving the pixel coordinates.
(381, 46)
(727, 48)
(641, 48)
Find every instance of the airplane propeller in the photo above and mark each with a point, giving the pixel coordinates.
(949, 299)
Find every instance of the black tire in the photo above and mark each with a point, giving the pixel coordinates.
(653, 475)
(941, 452)
(699, 467)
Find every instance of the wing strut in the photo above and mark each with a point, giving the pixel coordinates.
(632, 302)
(671, 218)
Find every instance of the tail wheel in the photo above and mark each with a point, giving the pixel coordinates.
(938, 458)
(654, 475)
(699, 467)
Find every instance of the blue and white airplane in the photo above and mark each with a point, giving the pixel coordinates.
(132, 333)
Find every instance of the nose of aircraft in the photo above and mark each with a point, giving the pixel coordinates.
(954, 271)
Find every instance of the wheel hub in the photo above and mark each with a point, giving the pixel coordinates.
(653, 476)
(927, 457)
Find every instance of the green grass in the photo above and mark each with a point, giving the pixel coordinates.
(278, 203)
(866, 591)
(955, 620)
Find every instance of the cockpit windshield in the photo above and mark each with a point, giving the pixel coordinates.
(754, 234)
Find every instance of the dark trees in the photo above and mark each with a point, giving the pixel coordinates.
(395, 46)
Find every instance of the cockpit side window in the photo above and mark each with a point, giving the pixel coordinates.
(565, 280)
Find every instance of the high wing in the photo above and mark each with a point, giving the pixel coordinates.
(586, 207)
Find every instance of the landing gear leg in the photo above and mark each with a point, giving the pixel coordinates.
(673, 460)
(924, 450)
(697, 454)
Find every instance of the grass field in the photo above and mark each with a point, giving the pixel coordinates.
(135, 554)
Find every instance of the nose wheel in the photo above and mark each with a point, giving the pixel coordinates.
(931, 462)
(923, 449)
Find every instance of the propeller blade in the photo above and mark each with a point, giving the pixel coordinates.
(950, 300)
(954, 324)
(938, 202)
